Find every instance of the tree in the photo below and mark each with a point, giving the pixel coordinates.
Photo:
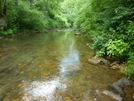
(3, 14)
(31, 14)
(70, 9)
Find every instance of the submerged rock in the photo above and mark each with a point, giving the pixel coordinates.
(112, 65)
(67, 99)
(96, 60)
(77, 34)
(132, 77)
(113, 96)
(133, 96)
(118, 86)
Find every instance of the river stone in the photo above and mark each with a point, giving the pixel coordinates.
(43, 98)
(67, 99)
(133, 96)
(88, 45)
(118, 86)
(77, 34)
(7, 98)
(132, 77)
(96, 60)
(113, 96)
(116, 66)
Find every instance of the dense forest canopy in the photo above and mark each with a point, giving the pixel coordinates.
(31, 15)
(110, 22)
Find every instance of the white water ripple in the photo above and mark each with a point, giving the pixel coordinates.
(38, 90)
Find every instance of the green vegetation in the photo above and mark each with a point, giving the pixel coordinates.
(23, 15)
(110, 22)
(70, 9)
(112, 25)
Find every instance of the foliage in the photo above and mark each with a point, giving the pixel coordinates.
(12, 16)
(34, 15)
(70, 9)
(116, 48)
(30, 19)
(111, 22)
(52, 12)
(129, 69)
(98, 42)
(6, 33)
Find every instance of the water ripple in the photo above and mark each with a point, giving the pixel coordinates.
(43, 91)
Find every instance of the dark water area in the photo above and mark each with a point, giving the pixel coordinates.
(51, 66)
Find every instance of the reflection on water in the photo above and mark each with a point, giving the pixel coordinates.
(48, 90)
(70, 63)
(43, 91)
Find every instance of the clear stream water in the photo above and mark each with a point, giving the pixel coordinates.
(51, 66)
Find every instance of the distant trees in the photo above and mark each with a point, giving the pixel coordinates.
(31, 15)
(3, 8)
(70, 8)
(3, 14)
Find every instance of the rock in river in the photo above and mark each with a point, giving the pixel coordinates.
(118, 86)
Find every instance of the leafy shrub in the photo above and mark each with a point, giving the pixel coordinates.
(9, 31)
(99, 42)
(3, 33)
(129, 69)
(130, 33)
(101, 52)
(117, 48)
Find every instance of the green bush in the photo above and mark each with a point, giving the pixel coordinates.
(9, 31)
(129, 69)
(5, 33)
(99, 42)
(117, 48)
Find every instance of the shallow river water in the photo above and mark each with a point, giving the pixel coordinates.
(51, 67)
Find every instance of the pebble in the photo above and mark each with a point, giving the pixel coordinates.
(112, 95)
(43, 98)
(132, 77)
(67, 99)
(133, 96)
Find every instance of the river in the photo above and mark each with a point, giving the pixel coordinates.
(51, 66)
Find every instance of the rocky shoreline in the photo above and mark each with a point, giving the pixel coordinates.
(116, 89)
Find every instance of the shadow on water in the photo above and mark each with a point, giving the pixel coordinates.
(51, 67)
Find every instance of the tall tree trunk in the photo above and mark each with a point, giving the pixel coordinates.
(1, 13)
(16, 2)
(31, 3)
(5, 14)
(5, 8)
